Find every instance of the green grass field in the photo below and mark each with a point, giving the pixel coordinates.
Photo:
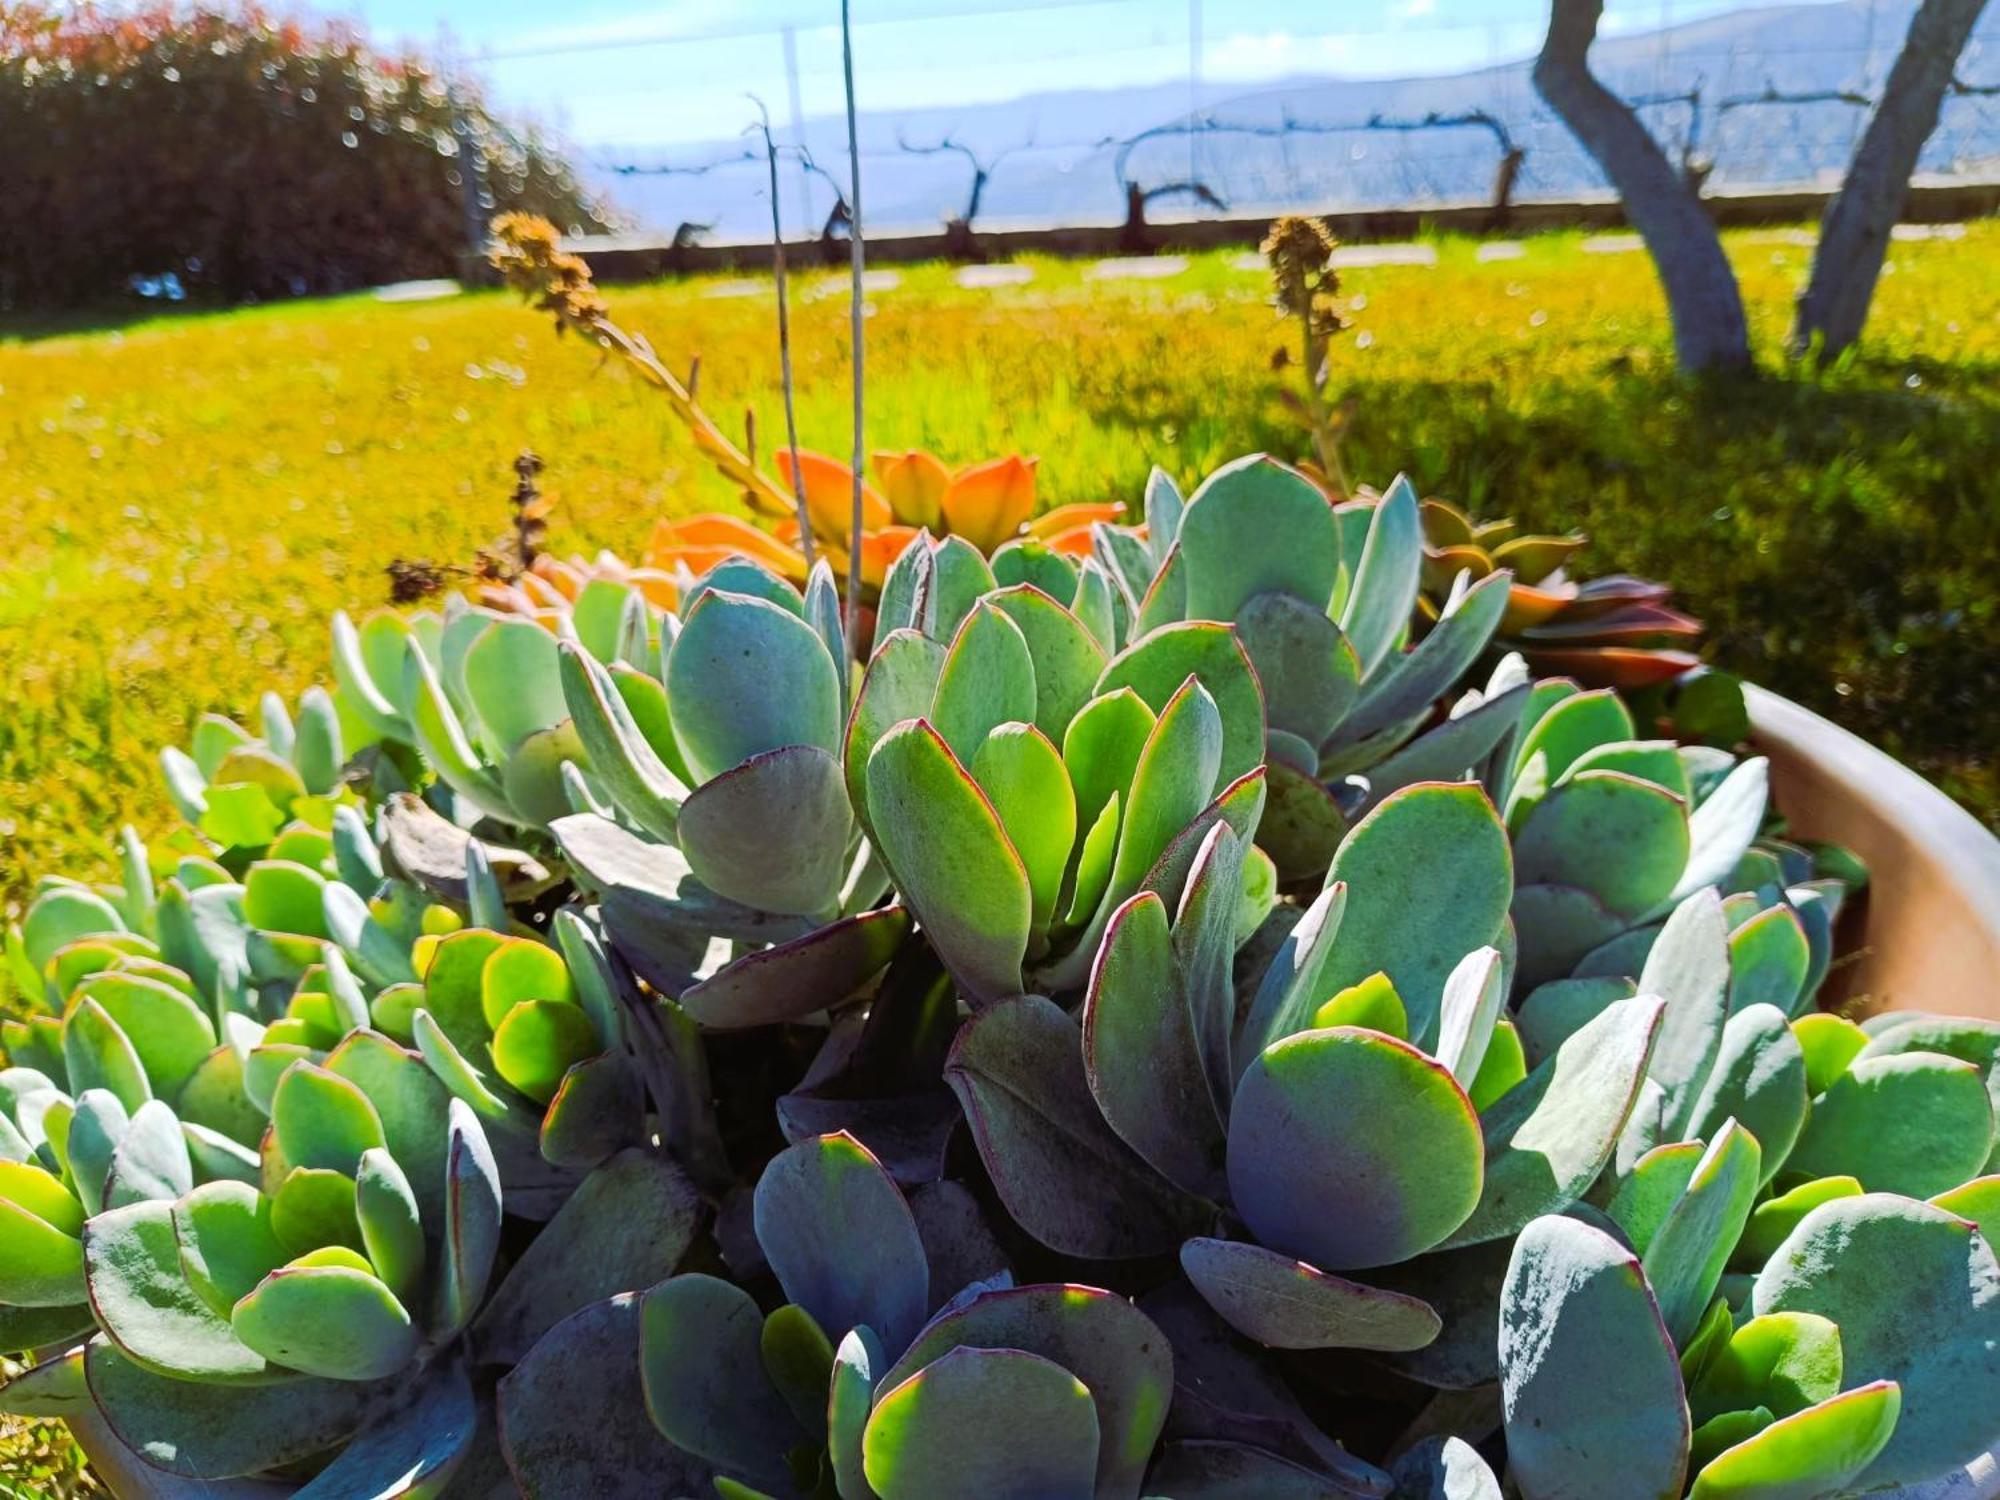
(187, 498)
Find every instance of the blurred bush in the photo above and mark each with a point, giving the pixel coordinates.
(235, 155)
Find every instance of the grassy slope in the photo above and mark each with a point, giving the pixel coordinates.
(186, 500)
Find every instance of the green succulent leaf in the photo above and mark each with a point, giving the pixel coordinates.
(146, 1305)
(745, 676)
(1722, 825)
(1064, 1175)
(1773, 1220)
(226, 1242)
(1308, 669)
(900, 683)
(1386, 577)
(1590, 1387)
(1830, 1043)
(1255, 526)
(169, 1033)
(1348, 1148)
(1915, 1123)
(1067, 659)
(1142, 1055)
(1649, 1192)
(1443, 1468)
(841, 1240)
(41, 1256)
(1977, 1201)
(471, 1221)
(1782, 1361)
(1101, 750)
(203, 1430)
(1024, 780)
(792, 797)
(789, 981)
(330, 1320)
(1468, 1012)
(1818, 1451)
(1287, 1304)
(988, 679)
(322, 1119)
(939, 835)
(1118, 1354)
(1685, 1257)
(1689, 969)
(97, 1054)
(1915, 1292)
(1769, 959)
(573, 1421)
(931, 1434)
(719, 1407)
(1623, 840)
(857, 1364)
(1404, 687)
(411, 1449)
(1157, 666)
(1547, 1139)
(412, 1106)
(1759, 1078)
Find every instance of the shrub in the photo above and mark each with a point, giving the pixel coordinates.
(1151, 1027)
(236, 155)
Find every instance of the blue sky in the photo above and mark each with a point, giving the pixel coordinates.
(631, 72)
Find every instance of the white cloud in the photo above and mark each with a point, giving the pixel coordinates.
(1409, 10)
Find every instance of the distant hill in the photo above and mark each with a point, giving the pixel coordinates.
(1277, 146)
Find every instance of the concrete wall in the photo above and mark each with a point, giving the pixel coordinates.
(634, 258)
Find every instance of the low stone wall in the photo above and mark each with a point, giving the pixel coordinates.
(638, 258)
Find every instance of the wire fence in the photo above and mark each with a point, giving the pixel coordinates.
(976, 113)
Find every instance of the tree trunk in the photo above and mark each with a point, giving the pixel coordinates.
(1854, 237)
(1702, 296)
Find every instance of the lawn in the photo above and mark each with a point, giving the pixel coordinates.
(188, 498)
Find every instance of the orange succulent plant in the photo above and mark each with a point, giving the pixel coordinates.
(988, 504)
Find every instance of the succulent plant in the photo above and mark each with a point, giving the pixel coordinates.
(1145, 1026)
(1615, 631)
(273, 790)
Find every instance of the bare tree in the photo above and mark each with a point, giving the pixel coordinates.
(1854, 236)
(1133, 236)
(960, 242)
(1703, 300)
(838, 218)
(1512, 155)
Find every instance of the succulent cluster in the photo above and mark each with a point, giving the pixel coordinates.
(1616, 631)
(1176, 1016)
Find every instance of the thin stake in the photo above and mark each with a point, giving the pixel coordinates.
(854, 263)
(785, 334)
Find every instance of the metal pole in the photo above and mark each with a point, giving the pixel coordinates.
(854, 293)
(791, 40)
(1194, 86)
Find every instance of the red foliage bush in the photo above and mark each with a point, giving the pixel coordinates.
(236, 155)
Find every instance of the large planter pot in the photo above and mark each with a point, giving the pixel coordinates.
(1929, 927)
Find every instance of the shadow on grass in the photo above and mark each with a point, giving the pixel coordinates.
(1840, 536)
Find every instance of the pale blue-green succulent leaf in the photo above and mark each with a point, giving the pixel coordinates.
(1915, 1292)
(1590, 1386)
